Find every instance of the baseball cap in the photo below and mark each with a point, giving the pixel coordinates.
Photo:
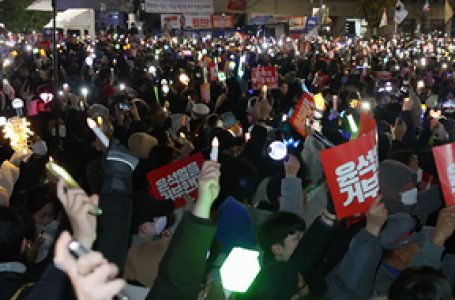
(401, 230)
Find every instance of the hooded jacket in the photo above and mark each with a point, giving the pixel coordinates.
(392, 176)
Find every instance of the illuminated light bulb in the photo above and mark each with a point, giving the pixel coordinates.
(277, 150)
(365, 105)
(319, 101)
(122, 86)
(99, 120)
(184, 79)
(89, 61)
(84, 92)
(152, 70)
(17, 130)
(6, 63)
(247, 136)
(423, 61)
(240, 269)
(420, 84)
(165, 89)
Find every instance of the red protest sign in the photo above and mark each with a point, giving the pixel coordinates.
(261, 76)
(175, 180)
(445, 164)
(351, 170)
(303, 114)
(213, 71)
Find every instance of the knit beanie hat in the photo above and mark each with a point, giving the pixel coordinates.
(141, 143)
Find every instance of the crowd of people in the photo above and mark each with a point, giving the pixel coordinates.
(162, 99)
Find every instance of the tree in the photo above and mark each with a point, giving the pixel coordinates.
(18, 19)
(372, 10)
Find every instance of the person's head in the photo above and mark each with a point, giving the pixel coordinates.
(407, 157)
(280, 234)
(420, 283)
(15, 230)
(401, 239)
(284, 88)
(398, 184)
(42, 204)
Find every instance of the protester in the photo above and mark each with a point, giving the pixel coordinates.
(181, 150)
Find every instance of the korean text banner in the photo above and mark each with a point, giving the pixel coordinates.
(302, 117)
(175, 180)
(179, 6)
(261, 76)
(176, 21)
(352, 174)
(445, 164)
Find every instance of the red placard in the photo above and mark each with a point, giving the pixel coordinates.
(219, 21)
(352, 171)
(175, 180)
(445, 164)
(303, 113)
(213, 71)
(261, 76)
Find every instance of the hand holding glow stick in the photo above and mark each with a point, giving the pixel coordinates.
(97, 131)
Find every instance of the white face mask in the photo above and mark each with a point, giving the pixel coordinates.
(39, 148)
(159, 224)
(409, 197)
(419, 175)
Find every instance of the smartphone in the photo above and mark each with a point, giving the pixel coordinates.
(124, 106)
(77, 250)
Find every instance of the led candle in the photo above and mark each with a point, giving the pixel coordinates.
(214, 152)
(97, 131)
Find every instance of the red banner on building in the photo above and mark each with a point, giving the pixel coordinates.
(220, 21)
(445, 163)
(175, 180)
(237, 5)
(261, 76)
(352, 172)
(302, 117)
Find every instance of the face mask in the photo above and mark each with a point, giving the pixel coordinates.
(159, 224)
(419, 175)
(40, 148)
(62, 131)
(409, 197)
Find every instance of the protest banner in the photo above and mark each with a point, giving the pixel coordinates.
(444, 157)
(352, 172)
(176, 21)
(179, 6)
(175, 180)
(220, 21)
(261, 76)
(302, 117)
